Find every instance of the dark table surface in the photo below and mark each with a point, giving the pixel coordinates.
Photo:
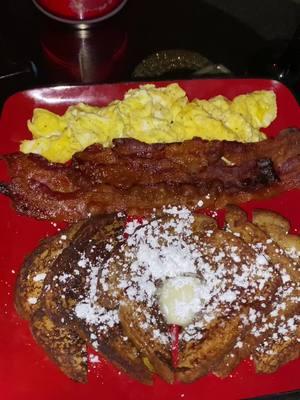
(36, 51)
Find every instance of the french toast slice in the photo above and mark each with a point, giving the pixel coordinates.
(237, 222)
(70, 276)
(103, 288)
(141, 317)
(73, 300)
(31, 277)
(242, 280)
(120, 350)
(153, 339)
(268, 231)
(260, 329)
(64, 346)
(197, 357)
(282, 346)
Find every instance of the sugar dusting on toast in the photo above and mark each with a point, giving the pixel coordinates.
(166, 247)
(87, 308)
(239, 279)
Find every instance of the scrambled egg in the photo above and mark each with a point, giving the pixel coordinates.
(151, 115)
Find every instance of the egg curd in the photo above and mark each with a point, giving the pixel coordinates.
(151, 115)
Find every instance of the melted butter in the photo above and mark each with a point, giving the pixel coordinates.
(181, 298)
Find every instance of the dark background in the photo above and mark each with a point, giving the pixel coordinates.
(245, 36)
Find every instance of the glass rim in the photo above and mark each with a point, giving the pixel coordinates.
(79, 22)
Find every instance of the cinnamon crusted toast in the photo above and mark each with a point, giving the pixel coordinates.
(73, 298)
(63, 345)
(31, 278)
(271, 337)
(283, 345)
(103, 286)
(242, 279)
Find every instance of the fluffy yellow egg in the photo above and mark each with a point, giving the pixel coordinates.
(58, 148)
(151, 115)
(93, 124)
(258, 107)
(197, 122)
(237, 126)
(45, 123)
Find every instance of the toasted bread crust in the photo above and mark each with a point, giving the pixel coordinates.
(79, 282)
(197, 358)
(37, 265)
(266, 346)
(63, 346)
(158, 354)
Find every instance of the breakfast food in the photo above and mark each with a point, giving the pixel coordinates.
(273, 338)
(151, 115)
(135, 177)
(114, 286)
(118, 287)
(64, 346)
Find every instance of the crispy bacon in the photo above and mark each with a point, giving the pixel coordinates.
(135, 177)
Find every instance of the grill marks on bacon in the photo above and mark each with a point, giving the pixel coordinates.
(137, 177)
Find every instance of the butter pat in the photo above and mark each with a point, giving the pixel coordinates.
(181, 298)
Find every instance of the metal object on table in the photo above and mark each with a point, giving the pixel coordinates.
(90, 55)
(177, 61)
(80, 18)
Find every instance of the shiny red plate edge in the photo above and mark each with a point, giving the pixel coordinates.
(25, 371)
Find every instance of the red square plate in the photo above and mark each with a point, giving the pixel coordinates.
(25, 371)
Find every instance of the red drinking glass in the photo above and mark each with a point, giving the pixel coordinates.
(76, 11)
(84, 55)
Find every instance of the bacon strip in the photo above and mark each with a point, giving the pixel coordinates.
(135, 177)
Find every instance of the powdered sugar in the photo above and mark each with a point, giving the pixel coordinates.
(32, 300)
(39, 277)
(88, 309)
(163, 248)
